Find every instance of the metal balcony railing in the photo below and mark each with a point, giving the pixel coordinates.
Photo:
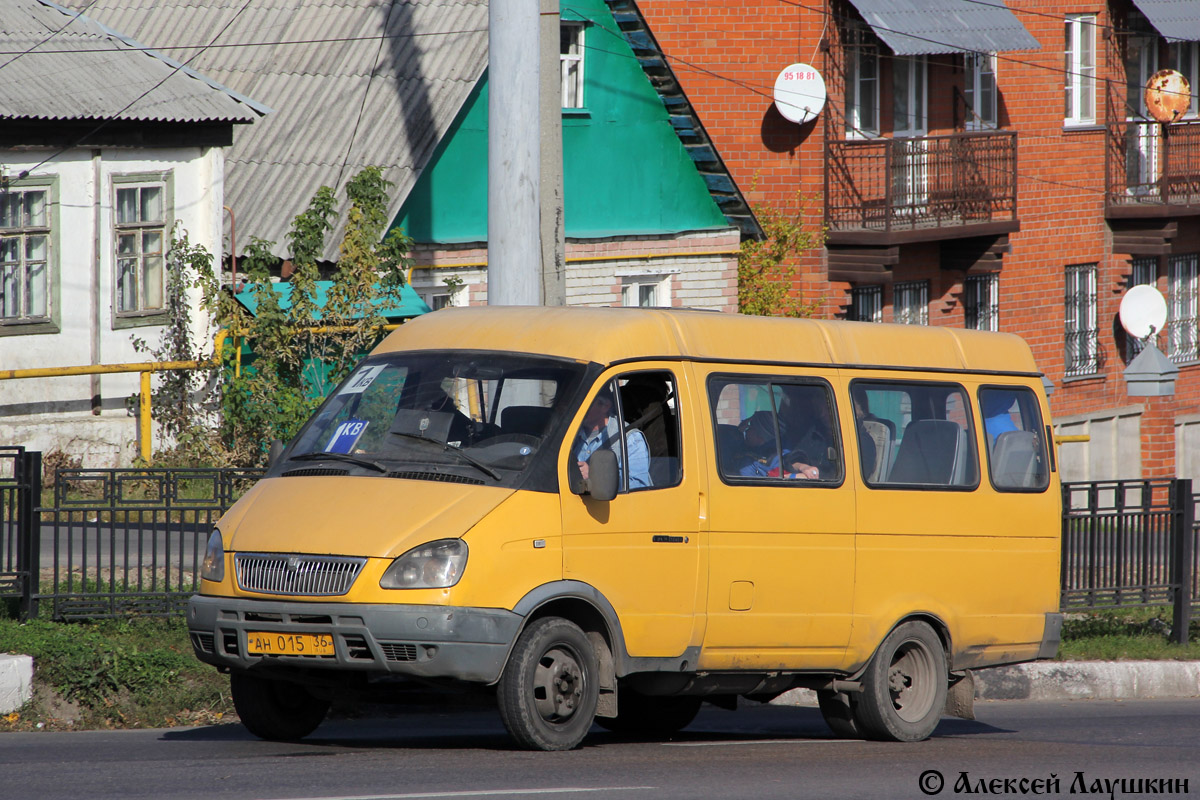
(930, 182)
(1150, 165)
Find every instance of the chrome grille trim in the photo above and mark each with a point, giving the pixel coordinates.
(299, 575)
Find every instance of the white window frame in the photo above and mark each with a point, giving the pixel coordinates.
(862, 85)
(571, 62)
(1184, 57)
(18, 275)
(1081, 330)
(134, 255)
(1080, 66)
(981, 302)
(1183, 313)
(980, 92)
(910, 302)
(646, 291)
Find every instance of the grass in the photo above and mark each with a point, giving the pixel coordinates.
(141, 672)
(115, 673)
(1126, 634)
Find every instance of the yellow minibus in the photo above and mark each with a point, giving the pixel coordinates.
(613, 515)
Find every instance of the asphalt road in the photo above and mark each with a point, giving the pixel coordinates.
(1073, 748)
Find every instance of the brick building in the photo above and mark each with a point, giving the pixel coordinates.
(975, 165)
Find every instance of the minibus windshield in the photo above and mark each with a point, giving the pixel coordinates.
(438, 415)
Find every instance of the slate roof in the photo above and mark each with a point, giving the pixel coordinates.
(59, 65)
(353, 83)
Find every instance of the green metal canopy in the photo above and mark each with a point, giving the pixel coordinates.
(411, 304)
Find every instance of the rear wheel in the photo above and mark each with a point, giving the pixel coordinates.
(548, 692)
(276, 710)
(639, 714)
(838, 708)
(904, 687)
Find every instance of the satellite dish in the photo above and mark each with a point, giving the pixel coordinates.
(1143, 311)
(1168, 95)
(799, 93)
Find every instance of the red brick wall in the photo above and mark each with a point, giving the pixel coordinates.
(727, 54)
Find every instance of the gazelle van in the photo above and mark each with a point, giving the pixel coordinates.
(612, 515)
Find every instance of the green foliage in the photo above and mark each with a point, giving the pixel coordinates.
(299, 353)
(766, 267)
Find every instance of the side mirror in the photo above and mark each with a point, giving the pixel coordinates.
(603, 475)
(275, 452)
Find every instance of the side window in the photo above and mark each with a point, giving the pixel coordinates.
(915, 435)
(1016, 442)
(775, 430)
(636, 416)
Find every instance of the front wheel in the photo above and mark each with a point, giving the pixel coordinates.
(276, 710)
(904, 687)
(549, 689)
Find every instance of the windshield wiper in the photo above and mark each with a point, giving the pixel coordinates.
(322, 455)
(479, 465)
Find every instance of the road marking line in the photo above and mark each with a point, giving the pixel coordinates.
(482, 793)
(757, 741)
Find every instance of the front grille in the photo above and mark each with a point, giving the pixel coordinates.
(203, 642)
(311, 576)
(356, 647)
(393, 651)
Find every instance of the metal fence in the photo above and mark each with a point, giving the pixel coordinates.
(114, 542)
(1130, 543)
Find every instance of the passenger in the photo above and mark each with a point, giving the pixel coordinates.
(759, 431)
(996, 416)
(600, 428)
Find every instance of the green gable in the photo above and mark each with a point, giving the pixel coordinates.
(624, 169)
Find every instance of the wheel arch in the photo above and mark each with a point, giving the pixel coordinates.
(585, 606)
(931, 619)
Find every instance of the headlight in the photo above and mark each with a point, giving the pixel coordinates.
(435, 565)
(213, 567)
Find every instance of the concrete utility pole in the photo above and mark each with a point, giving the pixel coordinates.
(514, 251)
(554, 261)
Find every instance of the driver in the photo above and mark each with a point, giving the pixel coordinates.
(600, 428)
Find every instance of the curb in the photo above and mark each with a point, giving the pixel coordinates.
(16, 682)
(1068, 680)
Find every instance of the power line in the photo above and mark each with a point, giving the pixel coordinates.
(112, 117)
(70, 19)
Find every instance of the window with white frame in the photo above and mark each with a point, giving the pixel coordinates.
(981, 302)
(1184, 57)
(910, 303)
(979, 91)
(570, 61)
(1082, 332)
(645, 291)
(1142, 272)
(862, 84)
(866, 304)
(1080, 55)
(437, 300)
(140, 214)
(1182, 317)
(25, 284)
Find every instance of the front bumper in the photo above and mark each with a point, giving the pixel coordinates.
(443, 642)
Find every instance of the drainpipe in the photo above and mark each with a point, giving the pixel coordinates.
(97, 303)
(232, 252)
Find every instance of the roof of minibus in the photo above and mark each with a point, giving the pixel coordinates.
(607, 335)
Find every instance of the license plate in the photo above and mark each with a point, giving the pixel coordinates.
(261, 643)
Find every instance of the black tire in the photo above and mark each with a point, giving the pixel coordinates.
(276, 710)
(838, 709)
(642, 715)
(904, 687)
(547, 694)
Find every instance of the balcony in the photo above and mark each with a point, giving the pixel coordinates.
(1153, 170)
(882, 192)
